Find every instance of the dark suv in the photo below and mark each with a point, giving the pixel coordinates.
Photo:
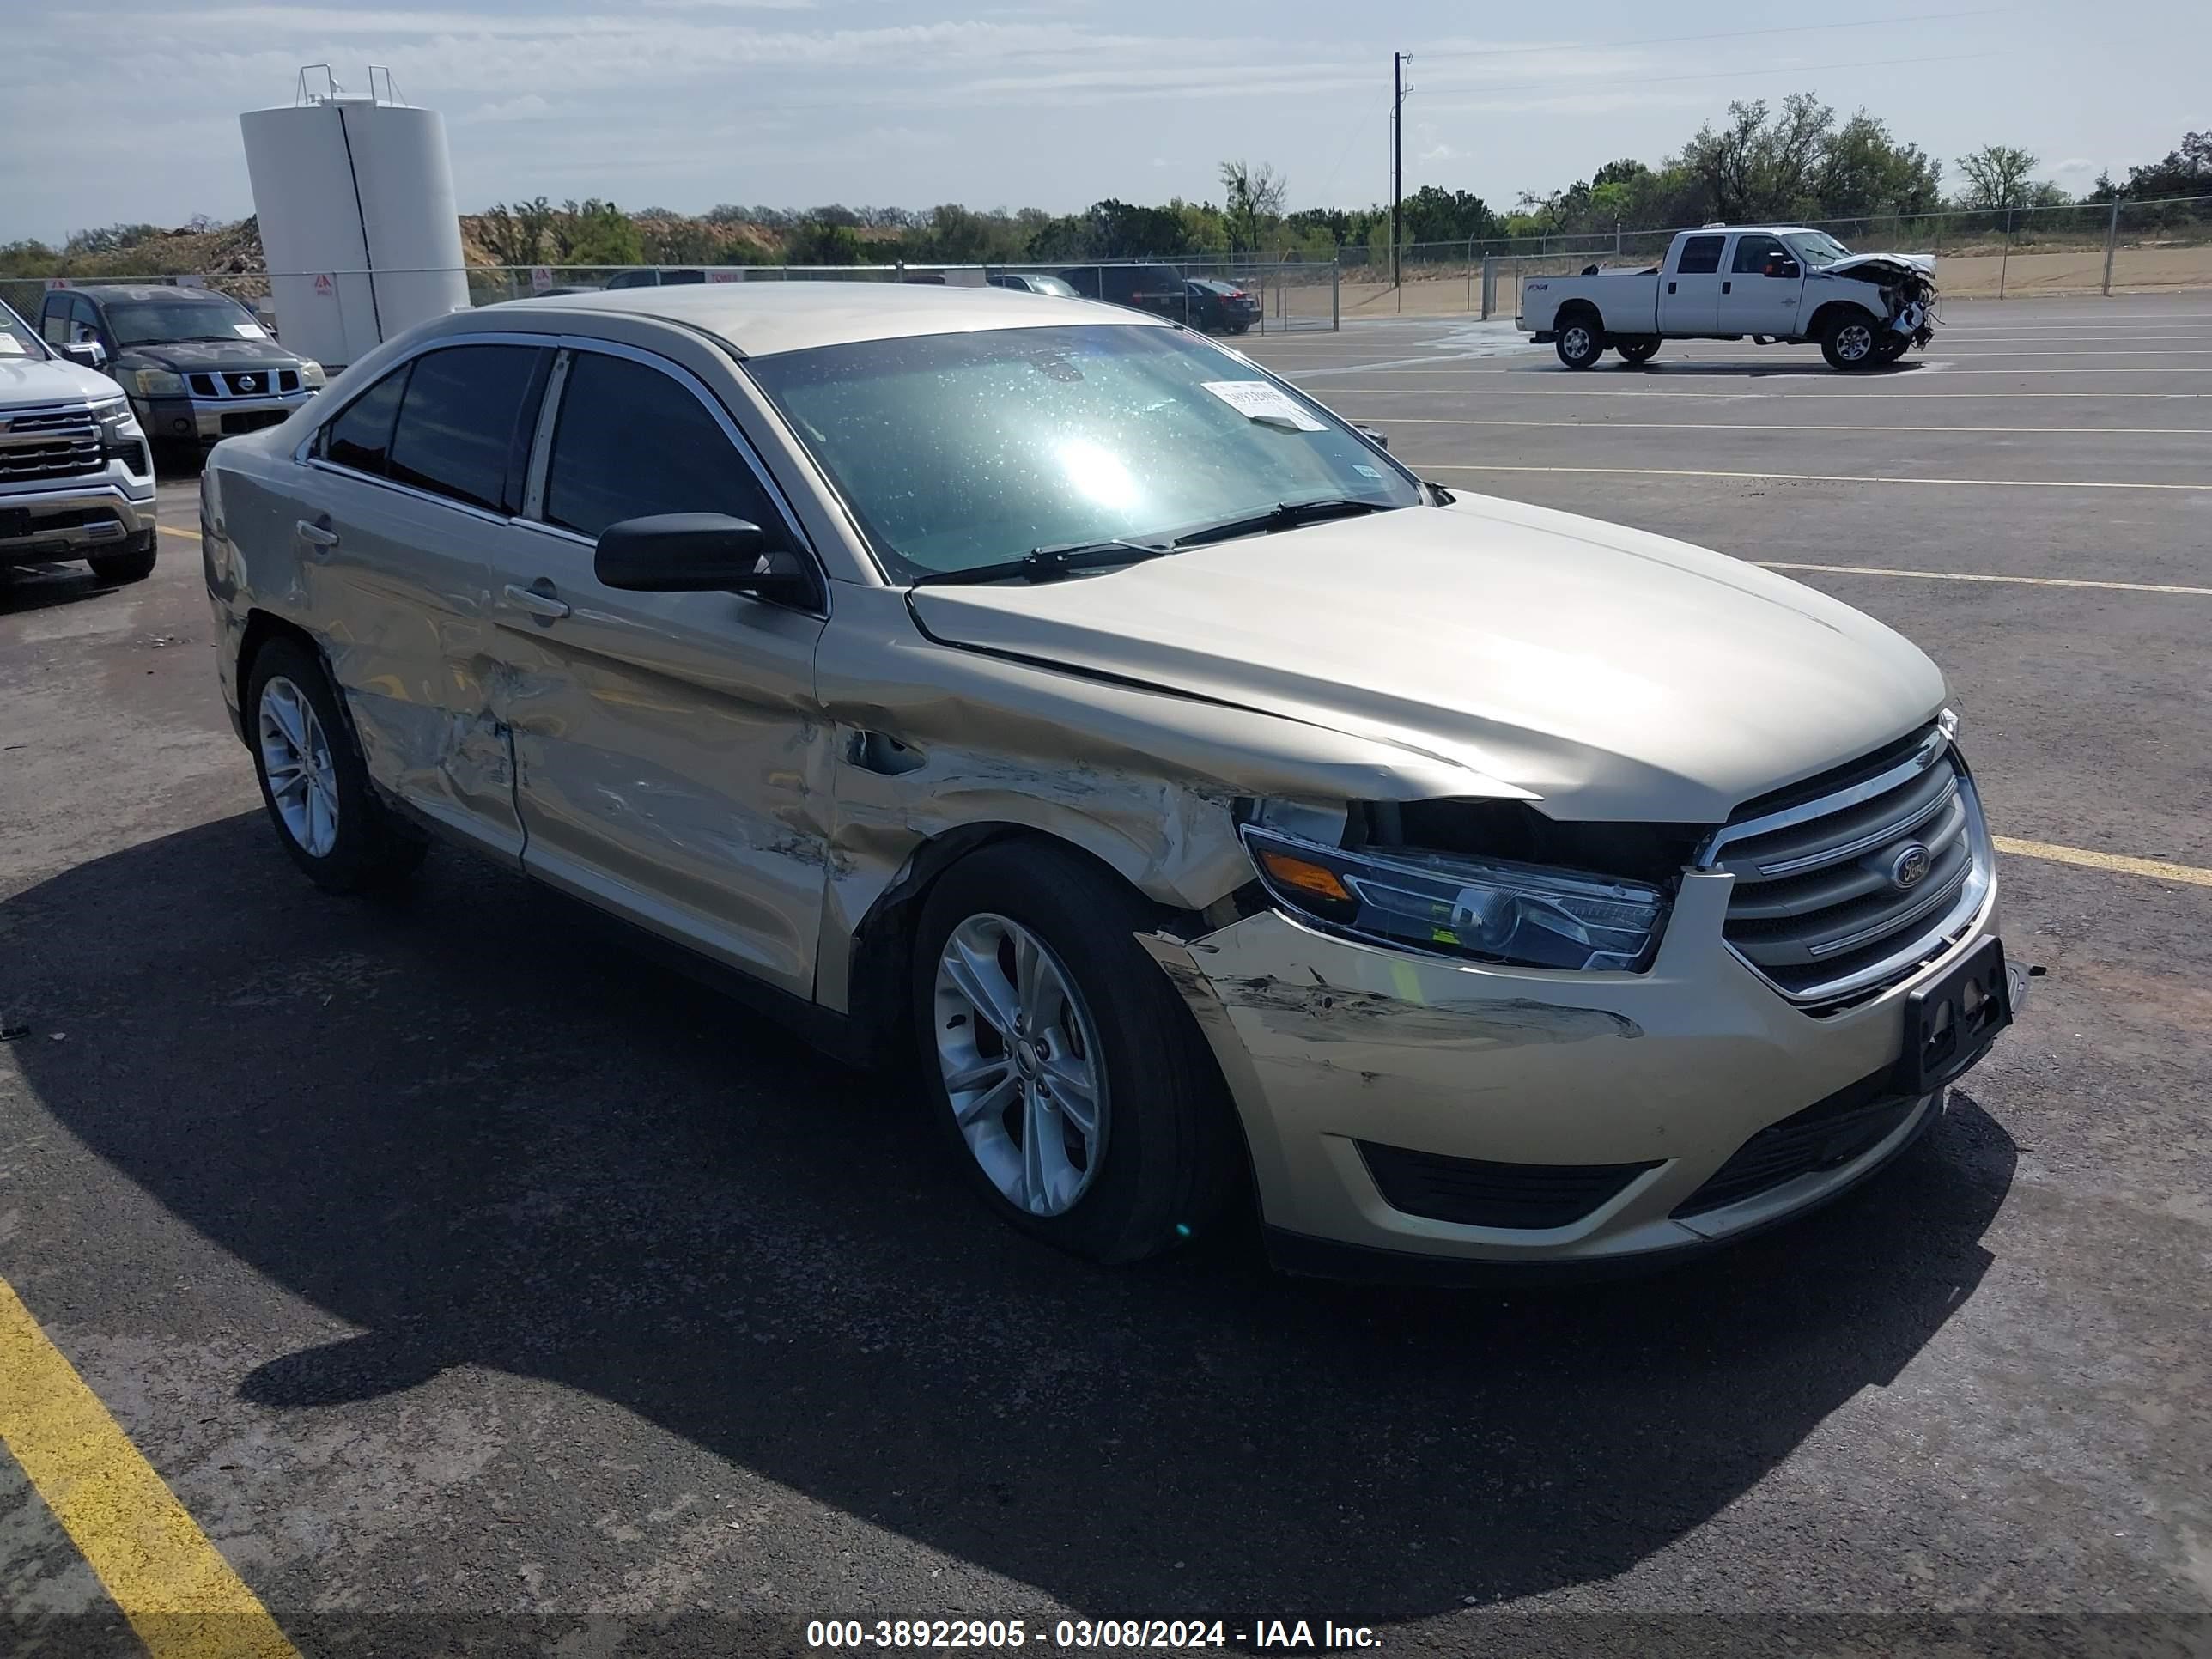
(1156, 288)
(198, 366)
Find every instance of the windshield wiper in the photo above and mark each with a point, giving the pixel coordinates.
(1045, 564)
(1285, 515)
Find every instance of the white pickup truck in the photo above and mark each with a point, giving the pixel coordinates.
(1771, 282)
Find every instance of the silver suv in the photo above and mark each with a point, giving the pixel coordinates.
(76, 481)
(1037, 693)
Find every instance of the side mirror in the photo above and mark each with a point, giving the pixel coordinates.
(1379, 440)
(702, 553)
(1784, 268)
(87, 353)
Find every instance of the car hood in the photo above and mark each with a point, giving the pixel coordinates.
(208, 354)
(26, 379)
(1922, 262)
(1613, 674)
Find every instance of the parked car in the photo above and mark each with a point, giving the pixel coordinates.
(1216, 305)
(654, 277)
(1157, 288)
(1776, 284)
(1046, 698)
(198, 366)
(75, 479)
(1034, 283)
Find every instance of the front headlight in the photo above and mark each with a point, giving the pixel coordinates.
(116, 419)
(158, 383)
(1488, 909)
(311, 374)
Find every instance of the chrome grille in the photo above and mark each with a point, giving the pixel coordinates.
(60, 445)
(1850, 890)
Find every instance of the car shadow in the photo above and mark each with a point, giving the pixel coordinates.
(28, 587)
(1758, 371)
(468, 1124)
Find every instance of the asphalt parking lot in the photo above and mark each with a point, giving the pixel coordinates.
(474, 1285)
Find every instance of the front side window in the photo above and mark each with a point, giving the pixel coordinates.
(631, 442)
(169, 322)
(1754, 253)
(960, 450)
(457, 423)
(55, 324)
(1818, 249)
(1701, 256)
(361, 438)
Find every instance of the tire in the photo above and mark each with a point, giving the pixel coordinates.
(1240, 328)
(1893, 346)
(1849, 341)
(132, 565)
(1638, 351)
(1158, 1162)
(1582, 341)
(328, 818)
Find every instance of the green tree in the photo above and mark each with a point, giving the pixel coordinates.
(516, 236)
(1997, 177)
(1254, 203)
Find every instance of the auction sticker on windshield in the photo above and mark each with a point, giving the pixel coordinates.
(1263, 402)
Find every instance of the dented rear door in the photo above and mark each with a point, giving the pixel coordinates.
(392, 526)
(670, 762)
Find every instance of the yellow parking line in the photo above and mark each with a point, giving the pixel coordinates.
(1805, 477)
(188, 535)
(1961, 576)
(172, 1585)
(2156, 869)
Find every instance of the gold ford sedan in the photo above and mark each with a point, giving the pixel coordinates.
(1042, 694)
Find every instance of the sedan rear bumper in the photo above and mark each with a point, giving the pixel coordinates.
(1469, 1115)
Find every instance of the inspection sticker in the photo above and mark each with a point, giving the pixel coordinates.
(249, 331)
(1260, 401)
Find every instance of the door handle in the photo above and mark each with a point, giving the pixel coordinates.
(318, 535)
(1725, 286)
(539, 602)
(1670, 287)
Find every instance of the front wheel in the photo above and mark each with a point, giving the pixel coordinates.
(1638, 352)
(1068, 1078)
(1893, 346)
(1581, 342)
(1849, 342)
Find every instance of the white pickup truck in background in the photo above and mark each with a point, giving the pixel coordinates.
(1771, 282)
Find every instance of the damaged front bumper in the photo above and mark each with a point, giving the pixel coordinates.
(1413, 1117)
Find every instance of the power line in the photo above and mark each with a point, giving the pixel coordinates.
(1364, 116)
(1731, 34)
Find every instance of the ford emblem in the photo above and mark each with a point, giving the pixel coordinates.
(1910, 867)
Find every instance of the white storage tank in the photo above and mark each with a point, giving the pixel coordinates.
(354, 196)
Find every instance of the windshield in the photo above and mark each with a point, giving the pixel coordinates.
(16, 337)
(960, 450)
(1817, 248)
(162, 322)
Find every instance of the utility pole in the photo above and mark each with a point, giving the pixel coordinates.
(1397, 156)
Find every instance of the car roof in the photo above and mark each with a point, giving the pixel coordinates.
(149, 291)
(760, 319)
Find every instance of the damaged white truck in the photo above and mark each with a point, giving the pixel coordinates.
(1771, 283)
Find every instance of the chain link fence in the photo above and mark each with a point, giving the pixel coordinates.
(2081, 248)
(1247, 295)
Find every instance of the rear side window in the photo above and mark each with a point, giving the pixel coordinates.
(458, 421)
(1753, 253)
(632, 441)
(362, 437)
(1701, 256)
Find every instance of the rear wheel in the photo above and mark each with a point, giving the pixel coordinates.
(313, 781)
(1582, 342)
(1639, 350)
(1067, 1076)
(1849, 341)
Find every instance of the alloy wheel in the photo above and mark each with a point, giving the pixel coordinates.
(296, 757)
(1021, 1062)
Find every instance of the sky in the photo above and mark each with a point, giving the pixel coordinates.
(111, 111)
